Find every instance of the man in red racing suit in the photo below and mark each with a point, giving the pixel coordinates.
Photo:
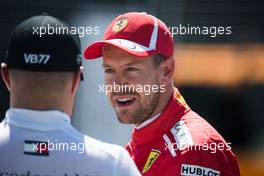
(180, 142)
(169, 138)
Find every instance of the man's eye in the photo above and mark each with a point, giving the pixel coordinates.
(109, 70)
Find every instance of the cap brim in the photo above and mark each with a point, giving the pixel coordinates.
(94, 51)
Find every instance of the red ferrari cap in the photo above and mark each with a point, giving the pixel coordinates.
(139, 34)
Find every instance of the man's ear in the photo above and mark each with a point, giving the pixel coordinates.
(76, 80)
(168, 70)
(5, 75)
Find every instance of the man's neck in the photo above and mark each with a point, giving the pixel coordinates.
(42, 104)
(165, 97)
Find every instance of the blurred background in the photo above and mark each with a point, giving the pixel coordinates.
(221, 77)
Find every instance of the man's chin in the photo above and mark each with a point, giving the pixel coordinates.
(125, 118)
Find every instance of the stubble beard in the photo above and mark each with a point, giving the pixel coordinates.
(144, 112)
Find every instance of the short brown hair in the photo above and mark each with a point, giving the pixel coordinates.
(158, 59)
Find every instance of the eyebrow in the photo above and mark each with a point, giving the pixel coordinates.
(105, 65)
(128, 64)
(133, 63)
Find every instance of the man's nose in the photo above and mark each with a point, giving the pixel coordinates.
(118, 79)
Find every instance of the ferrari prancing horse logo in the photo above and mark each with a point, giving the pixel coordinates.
(154, 154)
(119, 25)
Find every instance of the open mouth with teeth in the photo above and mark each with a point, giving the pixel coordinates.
(124, 101)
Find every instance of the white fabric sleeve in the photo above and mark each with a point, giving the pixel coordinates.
(125, 165)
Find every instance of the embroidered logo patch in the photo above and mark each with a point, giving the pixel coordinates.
(154, 154)
(120, 25)
(193, 170)
(39, 148)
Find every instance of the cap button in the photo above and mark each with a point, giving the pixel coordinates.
(45, 14)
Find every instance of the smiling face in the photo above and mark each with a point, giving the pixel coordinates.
(131, 103)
